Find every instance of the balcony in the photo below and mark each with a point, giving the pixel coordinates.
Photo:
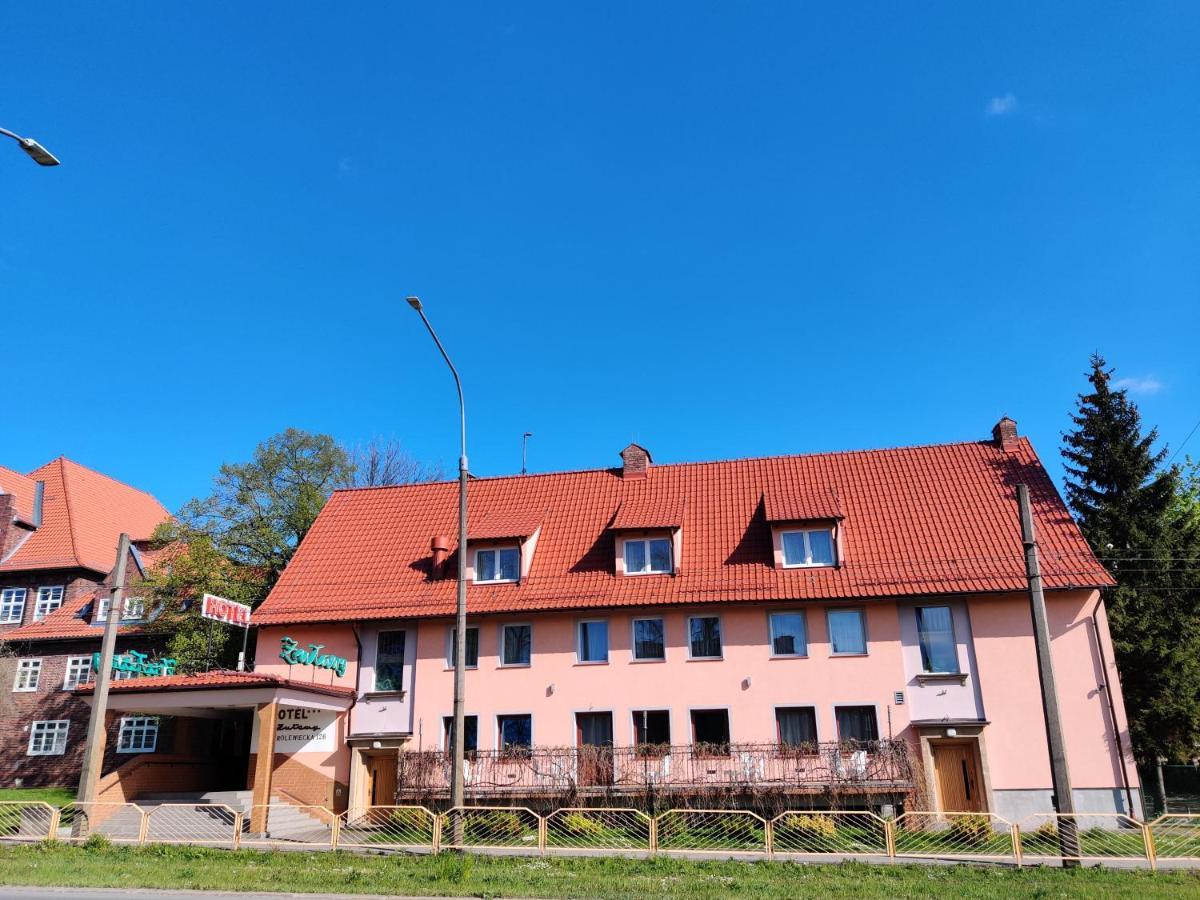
(856, 768)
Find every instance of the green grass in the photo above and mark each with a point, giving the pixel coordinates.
(55, 796)
(486, 876)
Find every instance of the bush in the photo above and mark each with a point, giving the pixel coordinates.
(736, 829)
(409, 821)
(97, 842)
(971, 830)
(496, 824)
(581, 825)
(808, 826)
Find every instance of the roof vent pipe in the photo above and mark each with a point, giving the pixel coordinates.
(39, 497)
(440, 545)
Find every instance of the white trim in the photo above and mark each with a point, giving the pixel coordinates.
(497, 550)
(720, 637)
(87, 673)
(8, 597)
(803, 614)
(648, 571)
(143, 726)
(58, 745)
(501, 664)
(26, 665)
(579, 660)
(808, 563)
(38, 615)
(633, 657)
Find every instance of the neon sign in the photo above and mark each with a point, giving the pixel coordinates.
(295, 655)
(138, 664)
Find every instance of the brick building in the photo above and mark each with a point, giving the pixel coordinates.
(59, 528)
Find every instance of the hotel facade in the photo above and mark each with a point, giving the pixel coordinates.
(844, 630)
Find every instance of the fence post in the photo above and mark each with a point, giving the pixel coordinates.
(437, 833)
(889, 835)
(541, 834)
(1016, 842)
(335, 830)
(52, 828)
(237, 829)
(770, 832)
(653, 835)
(1148, 843)
(143, 827)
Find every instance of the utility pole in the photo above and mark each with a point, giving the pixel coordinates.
(93, 753)
(524, 448)
(1064, 802)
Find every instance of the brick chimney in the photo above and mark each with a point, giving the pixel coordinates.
(440, 545)
(1005, 434)
(636, 461)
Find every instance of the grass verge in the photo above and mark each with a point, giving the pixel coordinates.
(197, 868)
(55, 796)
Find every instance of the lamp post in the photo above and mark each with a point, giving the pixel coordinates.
(460, 620)
(36, 151)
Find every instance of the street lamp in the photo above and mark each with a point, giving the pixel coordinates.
(460, 622)
(36, 151)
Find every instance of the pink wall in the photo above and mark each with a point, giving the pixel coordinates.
(1016, 739)
(337, 639)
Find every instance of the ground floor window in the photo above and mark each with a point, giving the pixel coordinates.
(139, 734)
(516, 733)
(651, 730)
(797, 725)
(857, 723)
(710, 730)
(48, 738)
(470, 732)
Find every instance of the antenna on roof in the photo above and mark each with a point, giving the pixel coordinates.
(524, 448)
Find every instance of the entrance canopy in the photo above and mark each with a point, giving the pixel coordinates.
(213, 694)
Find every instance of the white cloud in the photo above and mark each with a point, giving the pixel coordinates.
(1002, 106)
(1142, 384)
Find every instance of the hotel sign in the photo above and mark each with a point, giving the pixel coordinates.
(137, 664)
(302, 729)
(295, 655)
(228, 611)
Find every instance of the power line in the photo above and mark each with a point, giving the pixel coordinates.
(1184, 444)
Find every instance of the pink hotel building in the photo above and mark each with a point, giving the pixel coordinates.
(840, 628)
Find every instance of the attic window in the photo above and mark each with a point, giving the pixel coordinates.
(808, 548)
(498, 564)
(647, 556)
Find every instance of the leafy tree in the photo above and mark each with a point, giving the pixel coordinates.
(1132, 511)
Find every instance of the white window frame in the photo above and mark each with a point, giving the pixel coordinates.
(102, 607)
(82, 665)
(450, 647)
(57, 729)
(145, 727)
(862, 618)
(497, 551)
(27, 669)
(808, 563)
(46, 595)
(133, 605)
(648, 571)
(12, 601)
(633, 639)
(579, 660)
(721, 637)
(771, 614)
(517, 665)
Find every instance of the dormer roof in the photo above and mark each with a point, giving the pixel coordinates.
(801, 503)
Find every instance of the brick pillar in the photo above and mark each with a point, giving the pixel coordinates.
(263, 765)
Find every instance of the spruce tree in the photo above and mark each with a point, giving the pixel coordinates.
(1128, 506)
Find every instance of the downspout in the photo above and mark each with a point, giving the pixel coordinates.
(1112, 709)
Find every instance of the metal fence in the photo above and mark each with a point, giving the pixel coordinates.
(1050, 838)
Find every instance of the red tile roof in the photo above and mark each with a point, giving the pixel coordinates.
(493, 525)
(792, 503)
(84, 514)
(918, 521)
(215, 680)
(649, 504)
(22, 487)
(65, 624)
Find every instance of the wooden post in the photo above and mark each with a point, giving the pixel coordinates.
(93, 753)
(264, 765)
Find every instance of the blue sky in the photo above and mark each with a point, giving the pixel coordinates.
(719, 230)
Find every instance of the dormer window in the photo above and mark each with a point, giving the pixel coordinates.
(497, 564)
(808, 547)
(647, 556)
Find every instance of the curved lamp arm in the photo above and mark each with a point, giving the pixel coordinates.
(36, 151)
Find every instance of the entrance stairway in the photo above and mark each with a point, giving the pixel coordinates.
(191, 818)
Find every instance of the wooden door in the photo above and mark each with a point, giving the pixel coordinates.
(381, 780)
(595, 735)
(956, 767)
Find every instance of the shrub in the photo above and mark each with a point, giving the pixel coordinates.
(815, 826)
(409, 821)
(496, 824)
(1047, 831)
(738, 829)
(581, 825)
(97, 842)
(971, 830)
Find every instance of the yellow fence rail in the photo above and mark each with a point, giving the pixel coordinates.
(1049, 838)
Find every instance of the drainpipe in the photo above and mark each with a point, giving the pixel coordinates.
(1112, 709)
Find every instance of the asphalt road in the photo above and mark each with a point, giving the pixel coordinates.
(55, 893)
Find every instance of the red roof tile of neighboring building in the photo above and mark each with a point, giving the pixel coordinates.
(215, 680)
(492, 525)
(648, 505)
(918, 521)
(83, 516)
(788, 503)
(22, 488)
(66, 622)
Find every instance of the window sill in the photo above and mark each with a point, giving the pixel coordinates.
(810, 565)
(591, 662)
(942, 678)
(848, 655)
(790, 656)
(660, 659)
(628, 574)
(501, 581)
(513, 666)
(134, 752)
(32, 690)
(706, 659)
(465, 668)
(384, 695)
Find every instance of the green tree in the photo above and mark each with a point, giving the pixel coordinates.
(1131, 509)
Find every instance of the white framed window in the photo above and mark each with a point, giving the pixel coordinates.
(497, 564)
(647, 556)
(516, 645)
(48, 737)
(810, 547)
(591, 641)
(649, 639)
(29, 673)
(139, 734)
(704, 637)
(102, 605)
(12, 605)
(133, 609)
(847, 632)
(121, 675)
(48, 600)
(789, 633)
(79, 671)
(472, 642)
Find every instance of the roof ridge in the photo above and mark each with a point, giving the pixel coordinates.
(682, 463)
(124, 484)
(62, 473)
